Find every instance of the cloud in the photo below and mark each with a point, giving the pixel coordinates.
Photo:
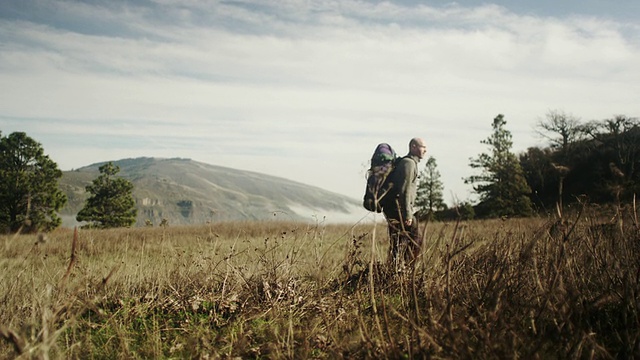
(301, 89)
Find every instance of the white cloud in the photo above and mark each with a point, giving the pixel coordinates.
(303, 89)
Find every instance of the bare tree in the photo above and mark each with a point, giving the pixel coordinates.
(621, 134)
(560, 128)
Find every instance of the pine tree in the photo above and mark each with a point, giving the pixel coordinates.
(430, 191)
(29, 193)
(501, 185)
(111, 203)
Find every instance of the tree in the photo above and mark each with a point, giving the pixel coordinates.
(602, 163)
(543, 175)
(561, 129)
(111, 203)
(29, 193)
(430, 188)
(460, 211)
(614, 145)
(502, 186)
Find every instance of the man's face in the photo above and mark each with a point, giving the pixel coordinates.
(419, 149)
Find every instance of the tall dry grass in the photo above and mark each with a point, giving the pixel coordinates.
(526, 288)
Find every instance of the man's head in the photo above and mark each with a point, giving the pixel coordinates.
(417, 147)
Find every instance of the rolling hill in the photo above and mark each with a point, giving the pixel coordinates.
(184, 191)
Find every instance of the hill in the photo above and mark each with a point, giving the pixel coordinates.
(184, 191)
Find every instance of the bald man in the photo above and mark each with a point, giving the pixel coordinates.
(399, 210)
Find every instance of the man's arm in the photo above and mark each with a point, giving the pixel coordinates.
(403, 177)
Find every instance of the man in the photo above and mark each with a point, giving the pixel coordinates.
(399, 210)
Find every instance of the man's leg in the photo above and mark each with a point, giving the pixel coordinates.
(394, 238)
(413, 241)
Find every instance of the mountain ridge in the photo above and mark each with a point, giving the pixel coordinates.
(184, 191)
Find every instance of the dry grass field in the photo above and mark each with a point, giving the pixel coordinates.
(516, 288)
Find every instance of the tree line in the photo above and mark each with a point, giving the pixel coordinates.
(599, 160)
(596, 160)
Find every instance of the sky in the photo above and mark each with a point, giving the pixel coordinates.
(306, 89)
